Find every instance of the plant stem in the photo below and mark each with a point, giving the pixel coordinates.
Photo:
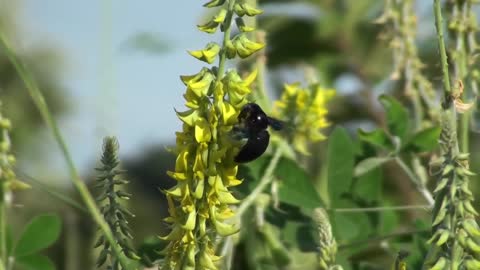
(459, 15)
(3, 231)
(381, 209)
(264, 181)
(420, 187)
(449, 128)
(226, 38)
(380, 238)
(441, 45)
(51, 191)
(42, 106)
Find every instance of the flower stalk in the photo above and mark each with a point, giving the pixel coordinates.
(8, 183)
(110, 197)
(327, 246)
(407, 64)
(463, 28)
(199, 204)
(42, 106)
(455, 233)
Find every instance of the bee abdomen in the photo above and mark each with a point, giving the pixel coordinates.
(255, 147)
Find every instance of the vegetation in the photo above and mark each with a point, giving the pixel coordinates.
(379, 177)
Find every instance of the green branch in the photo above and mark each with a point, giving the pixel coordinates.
(42, 106)
(441, 45)
(264, 182)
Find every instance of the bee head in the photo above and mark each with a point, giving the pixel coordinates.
(253, 118)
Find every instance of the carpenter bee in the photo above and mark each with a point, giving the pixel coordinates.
(252, 125)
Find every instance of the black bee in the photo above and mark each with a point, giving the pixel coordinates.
(252, 125)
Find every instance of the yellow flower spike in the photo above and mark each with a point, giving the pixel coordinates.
(208, 54)
(246, 9)
(202, 130)
(218, 92)
(225, 213)
(192, 99)
(188, 117)
(177, 176)
(220, 16)
(223, 195)
(211, 52)
(199, 164)
(190, 221)
(291, 89)
(225, 229)
(306, 109)
(199, 189)
(247, 81)
(230, 49)
(210, 27)
(181, 163)
(253, 47)
(229, 114)
(214, 3)
(195, 77)
(175, 234)
(202, 224)
(206, 262)
(191, 255)
(176, 191)
(204, 168)
(200, 87)
(242, 51)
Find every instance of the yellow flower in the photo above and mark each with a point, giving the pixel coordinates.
(204, 169)
(305, 110)
(199, 203)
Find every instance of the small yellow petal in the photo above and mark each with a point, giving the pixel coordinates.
(202, 130)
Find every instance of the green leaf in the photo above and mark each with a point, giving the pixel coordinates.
(389, 220)
(369, 186)
(251, 174)
(369, 164)
(340, 165)
(376, 137)
(35, 262)
(296, 187)
(351, 226)
(425, 140)
(42, 231)
(397, 116)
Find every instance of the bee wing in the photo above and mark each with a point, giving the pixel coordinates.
(275, 123)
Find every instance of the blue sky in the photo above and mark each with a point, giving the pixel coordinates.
(129, 94)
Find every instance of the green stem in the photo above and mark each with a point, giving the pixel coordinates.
(459, 15)
(260, 62)
(51, 191)
(449, 126)
(441, 45)
(418, 184)
(380, 238)
(42, 106)
(3, 230)
(464, 130)
(226, 37)
(382, 209)
(264, 181)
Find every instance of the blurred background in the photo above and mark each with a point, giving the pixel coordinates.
(112, 68)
